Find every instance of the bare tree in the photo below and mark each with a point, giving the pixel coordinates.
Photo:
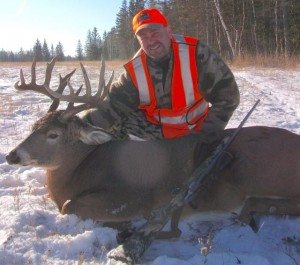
(254, 26)
(285, 29)
(276, 28)
(217, 5)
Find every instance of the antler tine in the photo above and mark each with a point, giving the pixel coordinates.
(101, 79)
(106, 88)
(71, 110)
(71, 104)
(32, 85)
(63, 81)
(86, 81)
(88, 100)
(33, 73)
(102, 88)
(49, 69)
(22, 77)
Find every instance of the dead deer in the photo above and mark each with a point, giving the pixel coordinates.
(93, 175)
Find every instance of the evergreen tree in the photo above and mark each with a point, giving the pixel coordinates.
(59, 52)
(37, 51)
(124, 35)
(21, 55)
(11, 56)
(93, 45)
(3, 56)
(29, 55)
(45, 51)
(79, 51)
(96, 44)
(87, 47)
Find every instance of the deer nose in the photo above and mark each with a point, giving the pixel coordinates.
(13, 158)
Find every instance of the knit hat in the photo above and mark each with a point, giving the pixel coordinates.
(148, 18)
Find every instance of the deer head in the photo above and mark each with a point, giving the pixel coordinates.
(60, 131)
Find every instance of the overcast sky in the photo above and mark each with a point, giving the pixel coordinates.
(67, 21)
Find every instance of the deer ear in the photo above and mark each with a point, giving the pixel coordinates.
(92, 135)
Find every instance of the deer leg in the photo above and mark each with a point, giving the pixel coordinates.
(114, 206)
(174, 231)
(268, 206)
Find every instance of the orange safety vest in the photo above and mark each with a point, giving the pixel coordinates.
(189, 109)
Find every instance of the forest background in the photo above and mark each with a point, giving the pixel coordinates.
(236, 29)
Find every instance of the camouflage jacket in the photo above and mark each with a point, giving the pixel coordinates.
(121, 116)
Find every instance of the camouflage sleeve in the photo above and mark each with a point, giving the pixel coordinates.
(120, 113)
(218, 87)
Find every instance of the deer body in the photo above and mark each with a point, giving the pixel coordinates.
(124, 179)
(94, 176)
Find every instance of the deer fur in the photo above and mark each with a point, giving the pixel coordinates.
(120, 180)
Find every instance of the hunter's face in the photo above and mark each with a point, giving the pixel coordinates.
(155, 42)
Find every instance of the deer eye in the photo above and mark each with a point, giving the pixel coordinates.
(52, 135)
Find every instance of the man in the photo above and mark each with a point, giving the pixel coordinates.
(174, 85)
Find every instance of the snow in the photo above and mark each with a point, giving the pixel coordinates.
(32, 231)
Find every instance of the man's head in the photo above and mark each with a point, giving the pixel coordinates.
(153, 33)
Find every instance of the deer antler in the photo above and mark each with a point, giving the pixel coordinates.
(88, 99)
(33, 86)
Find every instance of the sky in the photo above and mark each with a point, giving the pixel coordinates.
(67, 21)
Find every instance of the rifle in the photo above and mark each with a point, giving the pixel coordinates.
(135, 245)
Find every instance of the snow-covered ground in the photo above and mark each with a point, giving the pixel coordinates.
(33, 232)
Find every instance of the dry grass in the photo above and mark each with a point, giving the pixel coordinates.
(69, 64)
(266, 61)
(241, 61)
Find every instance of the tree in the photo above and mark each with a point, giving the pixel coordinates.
(59, 52)
(45, 51)
(79, 51)
(37, 51)
(3, 56)
(21, 55)
(123, 29)
(93, 45)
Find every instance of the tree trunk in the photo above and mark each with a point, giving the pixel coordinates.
(217, 31)
(206, 22)
(285, 29)
(217, 5)
(239, 47)
(254, 27)
(276, 28)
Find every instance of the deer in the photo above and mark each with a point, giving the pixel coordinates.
(93, 174)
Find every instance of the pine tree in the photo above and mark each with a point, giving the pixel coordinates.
(123, 31)
(21, 55)
(96, 44)
(93, 45)
(37, 51)
(59, 51)
(45, 51)
(87, 47)
(3, 56)
(79, 51)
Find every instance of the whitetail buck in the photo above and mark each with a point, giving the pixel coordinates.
(93, 175)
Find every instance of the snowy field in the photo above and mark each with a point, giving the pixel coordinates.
(33, 232)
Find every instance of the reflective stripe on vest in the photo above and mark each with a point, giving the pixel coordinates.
(141, 80)
(185, 117)
(184, 66)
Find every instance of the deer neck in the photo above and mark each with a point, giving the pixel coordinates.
(58, 179)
